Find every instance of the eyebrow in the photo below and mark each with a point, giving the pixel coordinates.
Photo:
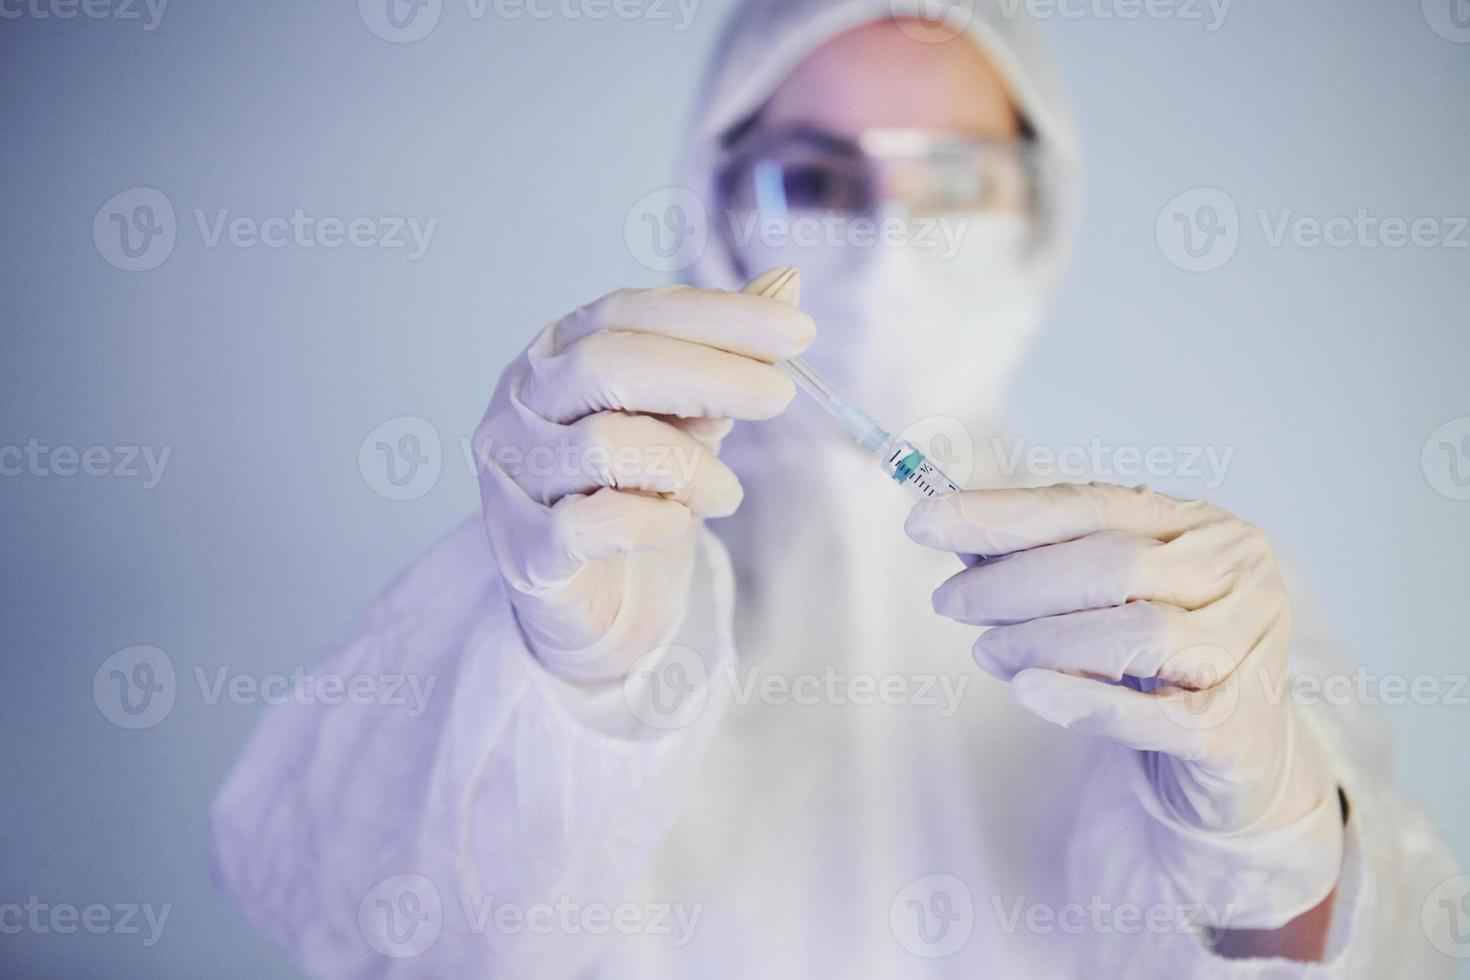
(807, 134)
(741, 130)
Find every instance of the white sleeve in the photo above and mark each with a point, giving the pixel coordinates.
(1394, 858)
(436, 832)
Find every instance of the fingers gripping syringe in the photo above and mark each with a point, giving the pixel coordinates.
(898, 457)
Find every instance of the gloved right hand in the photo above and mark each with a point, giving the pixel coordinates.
(598, 458)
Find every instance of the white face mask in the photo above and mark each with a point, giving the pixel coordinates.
(937, 326)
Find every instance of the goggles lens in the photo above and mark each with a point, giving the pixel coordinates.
(920, 172)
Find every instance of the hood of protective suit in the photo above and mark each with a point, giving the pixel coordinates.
(911, 339)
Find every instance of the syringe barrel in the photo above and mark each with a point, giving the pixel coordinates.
(810, 381)
(911, 469)
(900, 459)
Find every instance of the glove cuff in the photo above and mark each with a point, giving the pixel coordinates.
(1264, 875)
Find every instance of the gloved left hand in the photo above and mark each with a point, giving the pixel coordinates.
(1163, 625)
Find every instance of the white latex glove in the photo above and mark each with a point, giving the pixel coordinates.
(598, 458)
(1163, 625)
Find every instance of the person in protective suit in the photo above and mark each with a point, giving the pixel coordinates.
(665, 747)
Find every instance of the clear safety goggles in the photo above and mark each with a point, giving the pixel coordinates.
(914, 172)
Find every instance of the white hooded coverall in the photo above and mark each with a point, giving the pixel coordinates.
(526, 827)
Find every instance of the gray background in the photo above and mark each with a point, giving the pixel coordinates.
(263, 370)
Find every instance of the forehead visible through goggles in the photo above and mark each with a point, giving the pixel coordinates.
(921, 172)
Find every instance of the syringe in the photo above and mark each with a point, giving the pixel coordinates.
(900, 459)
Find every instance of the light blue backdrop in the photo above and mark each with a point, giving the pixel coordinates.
(262, 370)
